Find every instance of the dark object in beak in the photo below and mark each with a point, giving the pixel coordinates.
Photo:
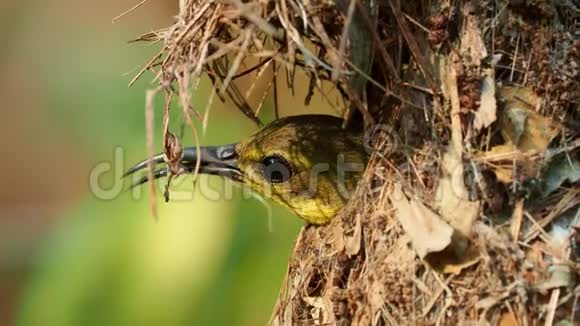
(217, 160)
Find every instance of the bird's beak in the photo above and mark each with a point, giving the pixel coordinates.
(217, 160)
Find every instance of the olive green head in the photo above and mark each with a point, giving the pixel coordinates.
(307, 163)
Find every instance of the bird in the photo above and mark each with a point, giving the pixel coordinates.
(307, 163)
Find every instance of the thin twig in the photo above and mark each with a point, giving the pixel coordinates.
(129, 11)
(150, 132)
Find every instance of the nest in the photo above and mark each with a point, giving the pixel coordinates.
(469, 207)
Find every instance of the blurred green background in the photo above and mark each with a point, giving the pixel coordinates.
(70, 258)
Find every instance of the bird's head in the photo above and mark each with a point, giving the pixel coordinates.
(307, 163)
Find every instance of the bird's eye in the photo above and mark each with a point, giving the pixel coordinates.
(276, 169)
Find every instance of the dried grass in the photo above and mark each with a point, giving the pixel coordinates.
(417, 67)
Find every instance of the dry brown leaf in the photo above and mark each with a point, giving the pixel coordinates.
(504, 174)
(338, 237)
(452, 261)
(451, 199)
(428, 232)
(486, 114)
(521, 124)
(504, 156)
(508, 319)
(561, 275)
(454, 264)
(352, 243)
